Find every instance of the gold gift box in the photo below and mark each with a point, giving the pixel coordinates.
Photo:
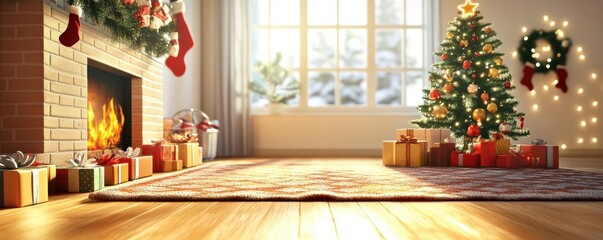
(116, 174)
(171, 165)
(23, 187)
(189, 154)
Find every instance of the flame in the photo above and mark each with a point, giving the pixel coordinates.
(105, 133)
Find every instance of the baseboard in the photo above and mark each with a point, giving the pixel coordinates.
(590, 153)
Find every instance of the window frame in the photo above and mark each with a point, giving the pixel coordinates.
(431, 35)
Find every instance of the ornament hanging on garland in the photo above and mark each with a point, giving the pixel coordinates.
(479, 114)
(440, 111)
(448, 88)
(434, 94)
(507, 85)
(492, 108)
(466, 64)
(472, 88)
(485, 96)
(504, 128)
(473, 130)
(559, 46)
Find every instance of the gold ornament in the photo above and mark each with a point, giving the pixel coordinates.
(440, 111)
(449, 35)
(472, 88)
(468, 9)
(448, 87)
(485, 96)
(449, 78)
(479, 114)
(492, 108)
(487, 48)
(464, 43)
(494, 73)
(498, 61)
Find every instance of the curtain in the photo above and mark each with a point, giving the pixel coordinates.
(225, 73)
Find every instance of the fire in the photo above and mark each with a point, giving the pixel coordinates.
(105, 133)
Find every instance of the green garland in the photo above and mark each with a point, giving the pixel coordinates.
(560, 48)
(119, 20)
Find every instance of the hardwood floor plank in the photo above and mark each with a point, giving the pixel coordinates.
(388, 225)
(281, 221)
(316, 221)
(351, 222)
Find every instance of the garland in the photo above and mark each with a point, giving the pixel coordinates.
(559, 47)
(121, 22)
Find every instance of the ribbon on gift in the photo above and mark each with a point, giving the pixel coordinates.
(549, 156)
(35, 176)
(538, 142)
(407, 140)
(131, 152)
(79, 161)
(461, 159)
(158, 142)
(107, 159)
(16, 160)
(136, 166)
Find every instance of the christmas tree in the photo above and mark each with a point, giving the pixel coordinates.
(470, 86)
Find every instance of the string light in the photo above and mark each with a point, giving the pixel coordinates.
(514, 54)
(533, 92)
(594, 120)
(580, 140)
(524, 29)
(583, 123)
(594, 140)
(563, 146)
(555, 82)
(580, 90)
(593, 76)
(579, 49)
(535, 107)
(595, 103)
(546, 18)
(545, 87)
(582, 57)
(552, 23)
(565, 23)
(579, 108)
(556, 98)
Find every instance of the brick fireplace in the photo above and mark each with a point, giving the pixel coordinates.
(44, 85)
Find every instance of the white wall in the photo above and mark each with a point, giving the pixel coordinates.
(183, 92)
(361, 135)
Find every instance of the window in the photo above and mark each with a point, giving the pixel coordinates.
(349, 55)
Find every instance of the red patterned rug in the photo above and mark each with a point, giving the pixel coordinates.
(355, 180)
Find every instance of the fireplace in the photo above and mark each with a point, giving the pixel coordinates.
(109, 108)
(45, 88)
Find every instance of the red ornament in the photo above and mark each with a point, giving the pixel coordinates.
(444, 56)
(473, 130)
(128, 2)
(434, 94)
(521, 122)
(474, 38)
(473, 75)
(448, 88)
(477, 54)
(472, 26)
(507, 85)
(466, 64)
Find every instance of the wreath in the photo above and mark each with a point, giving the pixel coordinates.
(560, 47)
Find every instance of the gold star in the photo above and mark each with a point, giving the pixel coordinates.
(468, 8)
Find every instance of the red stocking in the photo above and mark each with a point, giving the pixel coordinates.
(72, 33)
(176, 64)
(528, 72)
(562, 78)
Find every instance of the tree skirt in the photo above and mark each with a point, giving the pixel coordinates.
(355, 180)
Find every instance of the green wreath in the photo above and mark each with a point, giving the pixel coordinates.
(559, 47)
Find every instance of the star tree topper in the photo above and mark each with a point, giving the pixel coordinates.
(468, 8)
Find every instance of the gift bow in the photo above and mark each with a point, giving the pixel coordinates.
(538, 141)
(497, 136)
(107, 159)
(406, 139)
(206, 125)
(131, 152)
(17, 160)
(79, 161)
(158, 142)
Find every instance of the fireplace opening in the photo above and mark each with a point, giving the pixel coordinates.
(109, 108)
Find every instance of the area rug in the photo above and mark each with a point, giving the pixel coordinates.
(355, 180)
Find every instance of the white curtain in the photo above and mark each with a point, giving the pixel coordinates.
(225, 73)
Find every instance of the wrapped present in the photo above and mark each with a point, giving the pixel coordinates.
(80, 179)
(189, 154)
(138, 167)
(541, 156)
(388, 153)
(502, 146)
(508, 161)
(52, 175)
(439, 156)
(171, 165)
(160, 152)
(116, 174)
(410, 152)
(23, 186)
(458, 159)
(487, 153)
(431, 136)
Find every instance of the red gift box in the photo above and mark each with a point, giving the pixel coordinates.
(160, 152)
(458, 159)
(487, 153)
(508, 161)
(542, 156)
(440, 154)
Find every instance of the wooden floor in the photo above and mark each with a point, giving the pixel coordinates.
(73, 216)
